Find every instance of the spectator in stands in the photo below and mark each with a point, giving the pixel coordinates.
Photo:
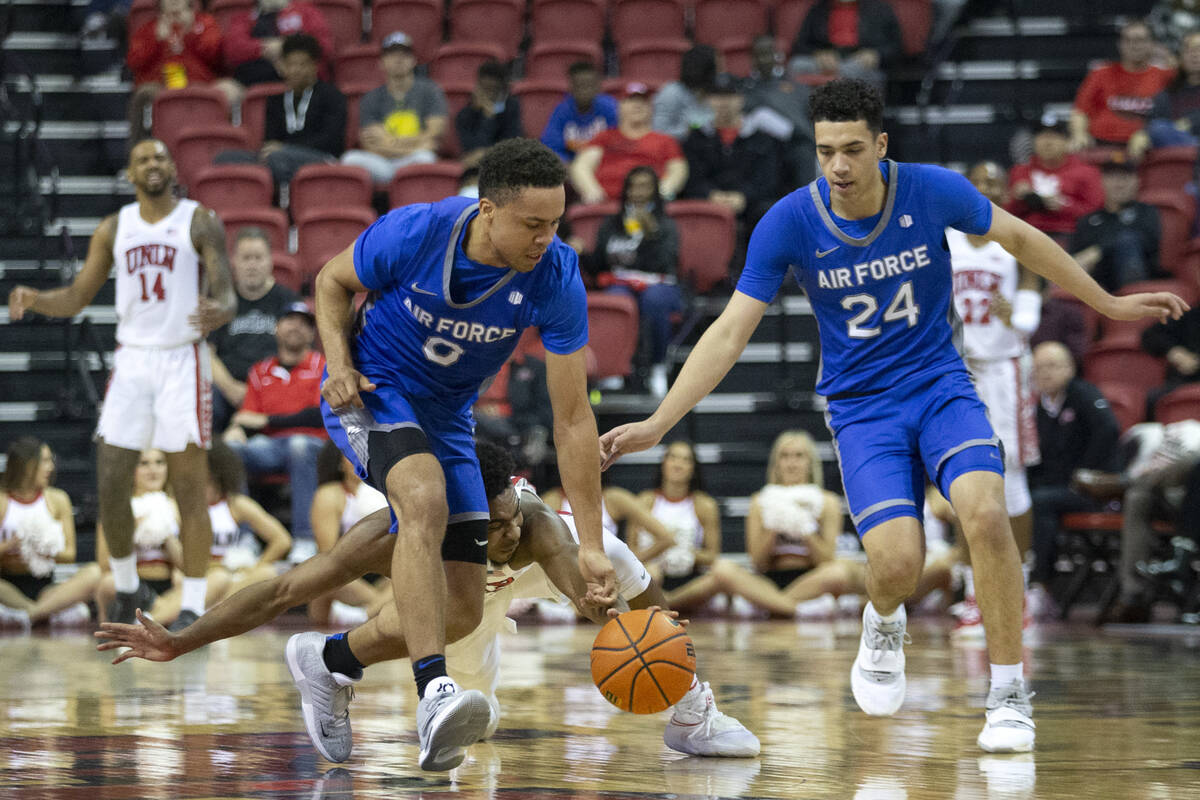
(492, 116)
(1175, 113)
(177, 48)
(637, 252)
(1062, 321)
(1114, 100)
(402, 121)
(279, 426)
(1118, 244)
(1172, 21)
(582, 114)
(254, 42)
(1055, 188)
(250, 335)
(848, 38)
(1076, 430)
(599, 171)
(306, 123)
(730, 162)
(768, 87)
(1177, 341)
(680, 105)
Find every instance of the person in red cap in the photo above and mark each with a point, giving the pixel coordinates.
(599, 171)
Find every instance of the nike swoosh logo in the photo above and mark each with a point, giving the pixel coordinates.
(481, 544)
(416, 288)
(820, 253)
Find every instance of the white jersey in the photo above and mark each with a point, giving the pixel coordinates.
(978, 272)
(679, 517)
(224, 528)
(159, 279)
(365, 500)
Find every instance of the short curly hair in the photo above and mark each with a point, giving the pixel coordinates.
(497, 467)
(516, 164)
(847, 100)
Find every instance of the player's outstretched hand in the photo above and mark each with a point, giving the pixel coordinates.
(19, 300)
(149, 640)
(342, 386)
(628, 438)
(683, 623)
(598, 572)
(1160, 305)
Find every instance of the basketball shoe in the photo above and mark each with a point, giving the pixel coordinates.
(448, 720)
(186, 617)
(877, 677)
(121, 609)
(324, 696)
(969, 624)
(1009, 727)
(699, 729)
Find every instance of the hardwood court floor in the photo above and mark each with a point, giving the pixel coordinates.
(1118, 717)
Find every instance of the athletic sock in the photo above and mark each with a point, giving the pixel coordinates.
(125, 577)
(193, 595)
(338, 658)
(896, 616)
(1004, 674)
(428, 669)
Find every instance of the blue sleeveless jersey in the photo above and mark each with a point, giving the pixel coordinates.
(881, 288)
(436, 324)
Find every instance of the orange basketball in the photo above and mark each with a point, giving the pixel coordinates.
(643, 661)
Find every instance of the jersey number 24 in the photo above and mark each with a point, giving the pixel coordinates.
(902, 307)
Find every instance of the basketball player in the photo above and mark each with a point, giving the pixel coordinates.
(867, 243)
(173, 289)
(532, 553)
(452, 285)
(1000, 307)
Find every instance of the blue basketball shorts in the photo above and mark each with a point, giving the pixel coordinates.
(450, 433)
(887, 443)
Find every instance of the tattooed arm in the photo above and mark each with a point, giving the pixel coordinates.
(208, 236)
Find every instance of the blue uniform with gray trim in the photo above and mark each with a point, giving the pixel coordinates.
(436, 326)
(901, 404)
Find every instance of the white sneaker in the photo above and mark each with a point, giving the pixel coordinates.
(1039, 604)
(324, 696)
(1009, 727)
(877, 677)
(742, 608)
(342, 615)
(15, 617)
(657, 382)
(71, 616)
(822, 607)
(448, 721)
(697, 728)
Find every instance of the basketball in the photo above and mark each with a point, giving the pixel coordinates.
(643, 661)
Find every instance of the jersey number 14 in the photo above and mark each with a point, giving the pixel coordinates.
(902, 307)
(157, 290)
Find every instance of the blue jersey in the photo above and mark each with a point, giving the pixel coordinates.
(881, 288)
(437, 325)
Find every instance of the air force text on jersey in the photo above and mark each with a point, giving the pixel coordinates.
(457, 328)
(877, 269)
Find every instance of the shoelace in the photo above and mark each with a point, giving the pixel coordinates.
(339, 706)
(881, 642)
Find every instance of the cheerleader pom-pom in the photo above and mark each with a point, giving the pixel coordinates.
(41, 540)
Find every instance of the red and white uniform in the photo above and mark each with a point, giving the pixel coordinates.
(224, 528)
(363, 501)
(998, 356)
(160, 391)
(680, 518)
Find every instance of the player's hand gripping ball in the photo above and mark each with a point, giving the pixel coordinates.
(643, 661)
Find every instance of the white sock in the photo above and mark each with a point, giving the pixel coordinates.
(125, 577)
(896, 616)
(969, 583)
(1005, 674)
(193, 595)
(693, 692)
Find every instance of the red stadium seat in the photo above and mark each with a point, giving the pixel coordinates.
(254, 110)
(1091, 319)
(707, 234)
(538, 99)
(1128, 402)
(424, 183)
(359, 64)
(420, 19)
(613, 320)
(1187, 269)
(499, 22)
(319, 186)
(638, 20)
(140, 12)
(1177, 216)
(585, 220)
(726, 19)
(737, 54)
(1168, 168)
(197, 146)
(344, 18)
(567, 21)
(458, 94)
(226, 10)
(915, 17)
(177, 110)
(549, 60)
(654, 61)
(457, 62)
(354, 94)
(271, 220)
(1123, 362)
(1182, 403)
(286, 270)
(789, 16)
(225, 187)
(325, 233)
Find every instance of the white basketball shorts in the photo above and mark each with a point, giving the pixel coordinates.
(160, 398)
